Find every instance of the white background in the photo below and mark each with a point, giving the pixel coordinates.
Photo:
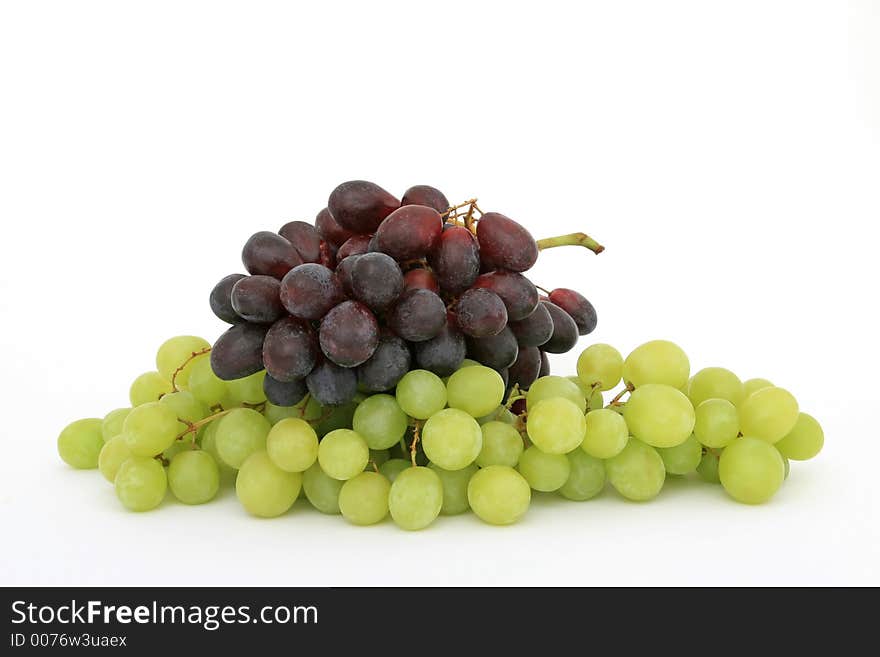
(726, 153)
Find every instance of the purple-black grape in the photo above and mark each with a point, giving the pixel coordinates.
(418, 315)
(495, 351)
(545, 366)
(332, 385)
(526, 367)
(420, 279)
(290, 349)
(239, 351)
(505, 244)
(443, 353)
(480, 312)
(344, 271)
(221, 299)
(519, 294)
(304, 238)
(357, 245)
(309, 291)
(330, 231)
(256, 299)
(349, 334)
(455, 259)
(576, 305)
(360, 206)
(534, 330)
(284, 393)
(565, 331)
(409, 232)
(269, 254)
(387, 365)
(376, 280)
(425, 195)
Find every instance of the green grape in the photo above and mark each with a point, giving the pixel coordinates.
(500, 414)
(309, 409)
(150, 429)
(292, 445)
(416, 498)
(275, 413)
(659, 415)
(469, 362)
(80, 443)
(499, 495)
(658, 361)
(768, 414)
(753, 385)
(175, 351)
(476, 390)
(549, 387)
(393, 467)
(239, 434)
(715, 383)
(587, 478)
(336, 417)
(420, 394)
(686, 388)
(502, 445)
(683, 458)
(185, 407)
(606, 433)
(148, 387)
(209, 444)
(206, 386)
(544, 472)
(381, 421)
(194, 477)
(177, 447)
(556, 425)
(592, 395)
(637, 473)
(111, 425)
(247, 390)
(804, 441)
(716, 423)
(751, 470)
(140, 483)
(321, 491)
(602, 364)
(708, 467)
(343, 454)
(363, 500)
(113, 454)
(455, 485)
(452, 439)
(379, 456)
(264, 489)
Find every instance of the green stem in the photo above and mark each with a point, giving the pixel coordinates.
(572, 239)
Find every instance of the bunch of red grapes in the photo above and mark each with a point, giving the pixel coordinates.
(378, 286)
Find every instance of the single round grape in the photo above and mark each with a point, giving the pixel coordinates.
(475, 390)
(310, 290)
(140, 483)
(80, 443)
(421, 394)
(421, 279)
(363, 499)
(534, 330)
(380, 420)
(206, 386)
(343, 454)
(290, 349)
(221, 299)
(425, 195)
(565, 331)
(239, 351)
(659, 415)
(264, 489)
(545, 366)
(658, 361)
(176, 351)
(637, 473)
(804, 441)
(715, 383)
(549, 387)
(708, 467)
(177, 447)
(578, 307)
(455, 487)
(502, 445)
(332, 385)
(519, 294)
(409, 232)
(556, 425)
(268, 254)
(753, 385)
(148, 387)
(355, 246)
(257, 299)
(321, 490)
(587, 478)
(505, 244)
(304, 238)
(150, 429)
(496, 351)
(452, 439)
(349, 334)
(387, 365)
(480, 312)
(499, 495)
(544, 472)
(284, 394)
(716, 423)
(186, 408)
(193, 477)
(751, 470)
(768, 414)
(360, 206)
(683, 458)
(239, 434)
(602, 364)
(246, 390)
(376, 280)
(114, 453)
(418, 315)
(111, 425)
(606, 433)
(275, 413)
(393, 467)
(330, 230)
(526, 368)
(416, 498)
(292, 445)
(455, 259)
(443, 353)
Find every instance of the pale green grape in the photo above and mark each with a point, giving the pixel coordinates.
(658, 361)
(502, 445)
(206, 386)
(556, 425)
(321, 491)
(637, 473)
(416, 498)
(659, 415)
(587, 478)
(363, 500)
(194, 477)
(468, 362)
(602, 364)
(476, 390)
(716, 423)
(247, 390)
(380, 420)
(592, 395)
(715, 383)
(114, 453)
(264, 489)
(174, 352)
(336, 417)
(292, 445)
(393, 467)
(500, 414)
(499, 495)
(686, 388)
(343, 454)
(606, 433)
(150, 429)
(177, 447)
(80, 443)
(451, 438)
(768, 414)
(549, 387)
(309, 409)
(455, 485)
(683, 458)
(420, 394)
(148, 387)
(275, 413)
(751, 470)
(544, 472)
(209, 444)
(804, 441)
(708, 467)
(140, 483)
(185, 407)
(111, 425)
(239, 434)
(753, 385)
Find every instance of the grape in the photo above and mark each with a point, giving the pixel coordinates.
(418, 315)
(499, 495)
(544, 472)
(148, 387)
(751, 470)
(416, 498)
(292, 445)
(176, 351)
(209, 445)
(186, 408)
(321, 491)
(443, 353)
(329, 230)
(505, 244)
(452, 439)
(111, 425)
(496, 351)
(768, 414)
(592, 395)
(343, 454)
(753, 385)
(715, 383)
(386, 366)
(606, 433)
(204, 384)
(150, 429)
(269, 254)
(246, 390)
(256, 299)
(113, 454)
(480, 313)
(361, 206)
(587, 478)
(500, 414)
(425, 195)
(455, 486)
(409, 232)
(304, 238)
(141, 483)
(343, 273)
(545, 366)
(309, 291)
(476, 390)
(284, 393)
(381, 421)
(534, 330)
(275, 413)
(239, 351)
(518, 293)
(376, 280)
(502, 445)
(363, 499)
(336, 417)
(548, 387)
(393, 467)
(240, 433)
(420, 279)
(332, 385)
(637, 473)
(80, 443)
(577, 306)
(221, 299)
(659, 415)
(565, 331)
(658, 361)
(716, 423)
(526, 367)
(349, 334)
(708, 468)
(683, 458)
(455, 259)
(194, 477)
(804, 441)
(264, 489)
(355, 246)
(556, 425)
(290, 349)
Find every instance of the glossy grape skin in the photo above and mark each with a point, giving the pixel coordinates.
(330, 231)
(534, 330)
(309, 291)
(421, 394)
(290, 349)
(269, 254)
(356, 245)
(768, 414)
(715, 383)
(206, 386)
(556, 426)
(578, 307)
(455, 259)
(416, 498)
(376, 280)
(349, 334)
(111, 425)
(246, 390)
(292, 445)
(708, 467)
(455, 485)
(409, 232)
(264, 489)
(519, 294)
(380, 421)
(393, 467)
(657, 361)
(221, 299)
(587, 478)
(804, 441)
(602, 364)
(525, 368)
(751, 470)
(363, 499)
(256, 299)
(389, 362)
(343, 454)
(544, 472)
(332, 385)
(502, 445)
(682, 459)
(753, 385)
(606, 433)
(565, 331)
(505, 244)
(114, 453)
(476, 390)
(304, 238)
(548, 387)
(239, 351)
(360, 206)
(141, 483)
(427, 196)
(716, 423)
(545, 365)
(420, 279)
(81, 442)
(659, 415)
(193, 477)
(418, 315)
(321, 490)
(344, 271)
(284, 393)
(496, 351)
(499, 495)
(442, 354)
(637, 472)
(480, 313)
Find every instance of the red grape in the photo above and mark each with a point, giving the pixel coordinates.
(518, 293)
(456, 259)
(418, 315)
(409, 232)
(304, 238)
(239, 351)
(387, 365)
(576, 305)
(545, 365)
(269, 254)
(443, 353)
(357, 245)
(330, 231)
(420, 278)
(290, 349)
(526, 368)
(425, 195)
(495, 351)
(565, 331)
(256, 299)
(310, 290)
(284, 393)
(534, 330)
(480, 312)
(360, 206)
(376, 280)
(221, 299)
(349, 334)
(332, 385)
(505, 244)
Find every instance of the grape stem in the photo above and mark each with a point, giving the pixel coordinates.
(572, 239)
(180, 368)
(417, 427)
(305, 402)
(375, 467)
(515, 395)
(543, 289)
(616, 401)
(192, 427)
